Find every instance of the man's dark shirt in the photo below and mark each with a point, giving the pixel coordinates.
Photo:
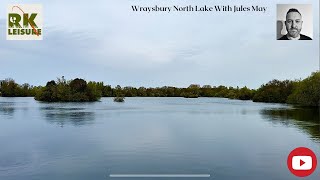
(302, 37)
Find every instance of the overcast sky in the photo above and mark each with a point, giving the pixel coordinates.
(103, 40)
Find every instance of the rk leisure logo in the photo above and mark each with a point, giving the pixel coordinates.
(24, 22)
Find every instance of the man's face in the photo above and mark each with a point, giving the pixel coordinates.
(293, 24)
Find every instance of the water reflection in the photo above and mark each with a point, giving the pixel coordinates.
(62, 116)
(151, 135)
(307, 119)
(7, 108)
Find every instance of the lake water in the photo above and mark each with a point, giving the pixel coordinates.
(227, 139)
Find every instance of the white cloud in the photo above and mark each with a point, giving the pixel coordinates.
(104, 40)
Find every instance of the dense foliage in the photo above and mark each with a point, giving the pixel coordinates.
(305, 92)
(193, 91)
(77, 90)
(274, 91)
(9, 88)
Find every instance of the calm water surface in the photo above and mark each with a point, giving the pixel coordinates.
(228, 139)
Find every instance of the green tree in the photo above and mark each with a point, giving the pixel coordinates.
(245, 94)
(77, 90)
(274, 91)
(307, 91)
(9, 88)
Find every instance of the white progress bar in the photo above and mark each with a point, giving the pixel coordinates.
(159, 175)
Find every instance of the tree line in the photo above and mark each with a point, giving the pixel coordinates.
(304, 92)
(9, 88)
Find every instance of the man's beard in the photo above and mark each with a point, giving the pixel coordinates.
(294, 32)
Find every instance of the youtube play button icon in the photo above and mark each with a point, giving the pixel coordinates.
(302, 162)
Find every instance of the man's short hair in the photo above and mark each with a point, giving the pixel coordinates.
(293, 10)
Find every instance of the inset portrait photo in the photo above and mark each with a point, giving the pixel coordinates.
(294, 22)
